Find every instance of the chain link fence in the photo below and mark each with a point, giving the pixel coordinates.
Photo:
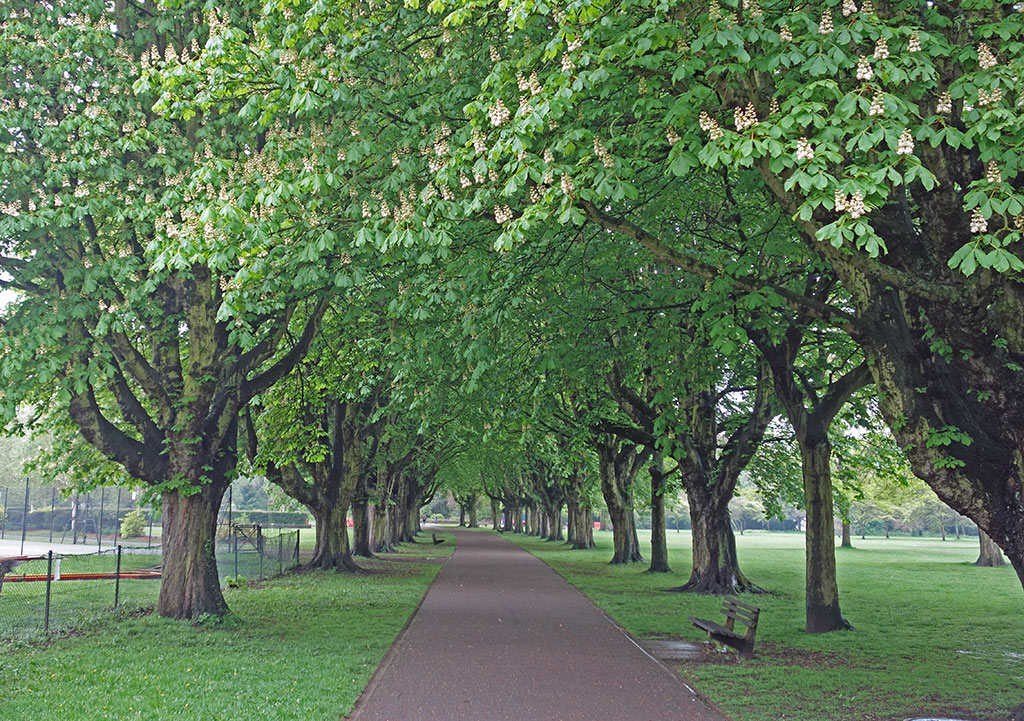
(250, 552)
(56, 592)
(42, 594)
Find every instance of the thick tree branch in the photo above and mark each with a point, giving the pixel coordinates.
(663, 254)
(288, 361)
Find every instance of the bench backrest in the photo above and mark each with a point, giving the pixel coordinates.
(735, 610)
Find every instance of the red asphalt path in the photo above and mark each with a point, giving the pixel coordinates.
(501, 636)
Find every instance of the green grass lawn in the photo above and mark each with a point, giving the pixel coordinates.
(302, 647)
(935, 636)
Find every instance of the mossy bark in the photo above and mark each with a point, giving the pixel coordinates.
(190, 586)
(659, 541)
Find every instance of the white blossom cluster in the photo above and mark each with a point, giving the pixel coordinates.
(989, 98)
(864, 71)
(602, 154)
(914, 45)
(568, 187)
(498, 113)
(986, 59)
(502, 214)
(978, 223)
(852, 206)
(672, 136)
(992, 174)
(849, 8)
(479, 142)
(710, 126)
(804, 151)
(877, 104)
(881, 49)
(744, 117)
(945, 104)
(905, 145)
(785, 34)
(531, 84)
(825, 26)
(753, 8)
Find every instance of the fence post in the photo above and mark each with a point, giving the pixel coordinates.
(3, 518)
(117, 579)
(149, 541)
(297, 532)
(49, 578)
(53, 509)
(24, 519)
(117, 526)
(99, 526)
(259, 547)
(280, 555)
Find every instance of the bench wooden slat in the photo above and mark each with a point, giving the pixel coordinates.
(733, 610)
(712, 627)
(737, 602)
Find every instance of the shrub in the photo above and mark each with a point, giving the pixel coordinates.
(133, 524)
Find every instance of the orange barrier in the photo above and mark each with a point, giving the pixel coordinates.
(82, 576)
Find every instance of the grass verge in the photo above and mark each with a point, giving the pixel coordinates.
(301, 647)
(935, 635)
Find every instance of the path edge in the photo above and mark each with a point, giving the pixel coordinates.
(399, 637)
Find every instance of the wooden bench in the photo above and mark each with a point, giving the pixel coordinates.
(436, 539)
(734, 611)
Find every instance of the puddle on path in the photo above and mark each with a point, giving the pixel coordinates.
(675, 650)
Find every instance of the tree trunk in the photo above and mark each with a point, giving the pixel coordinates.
(189, 586)
(586, 530)
(659, 541)
(495, 516)
(823, 612)
(571, 510)
(581, 534)
(395, 526)
(847, 540)
(361, 529)
(619, 466)
(990, 555)
(462, 515)
(554, 522)
(379, 534)
(332, 549)
(473, 523)
(716, 568)
(626, 544)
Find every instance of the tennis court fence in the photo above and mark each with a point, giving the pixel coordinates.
(60, 592)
